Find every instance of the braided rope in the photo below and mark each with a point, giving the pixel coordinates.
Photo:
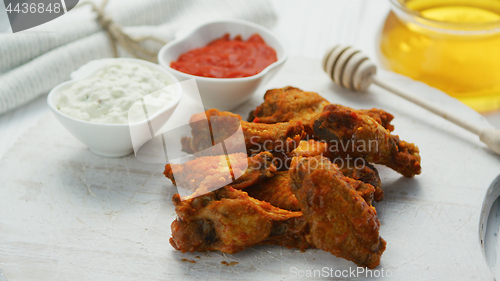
(118, 37)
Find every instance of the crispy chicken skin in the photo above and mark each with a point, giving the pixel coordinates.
(258, 137)
(293, 104)
(363, 171)
(369, 176)
(277, 191)
(340, 220)
(228, 220)
(287, 104)
(208, 173)
(359, 136)
(202, 125)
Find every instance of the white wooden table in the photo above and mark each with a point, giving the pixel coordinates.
(307, 29)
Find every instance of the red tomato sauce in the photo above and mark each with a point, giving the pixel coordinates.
(226, 58)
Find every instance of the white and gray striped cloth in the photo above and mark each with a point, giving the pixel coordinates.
(36, 60)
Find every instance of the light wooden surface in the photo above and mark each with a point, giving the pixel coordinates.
(67, 214)
(307, 29)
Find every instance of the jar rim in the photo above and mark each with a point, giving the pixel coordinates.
(441, 26)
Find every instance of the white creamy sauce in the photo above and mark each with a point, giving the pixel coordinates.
(107, 96)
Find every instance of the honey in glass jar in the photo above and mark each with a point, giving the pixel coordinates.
(453, 45)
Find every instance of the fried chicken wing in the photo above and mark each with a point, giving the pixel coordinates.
(228, 220)
(340, 221)
(258, 137)
(358, 136)
(204, 124)
(277, 190)
(362, 171)
(205, 174)
(287, 104)
(323, 201)
(293, 104)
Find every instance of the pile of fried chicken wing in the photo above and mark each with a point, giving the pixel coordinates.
(319, 196)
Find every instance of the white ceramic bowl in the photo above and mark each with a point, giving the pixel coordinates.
(223, 93)
(109, 140)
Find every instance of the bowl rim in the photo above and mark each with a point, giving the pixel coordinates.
(189, 34)
(399, 7)
(57, 88)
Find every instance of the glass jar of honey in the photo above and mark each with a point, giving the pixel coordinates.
(453, 45)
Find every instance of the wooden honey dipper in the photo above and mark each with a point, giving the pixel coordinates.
(351, 69)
